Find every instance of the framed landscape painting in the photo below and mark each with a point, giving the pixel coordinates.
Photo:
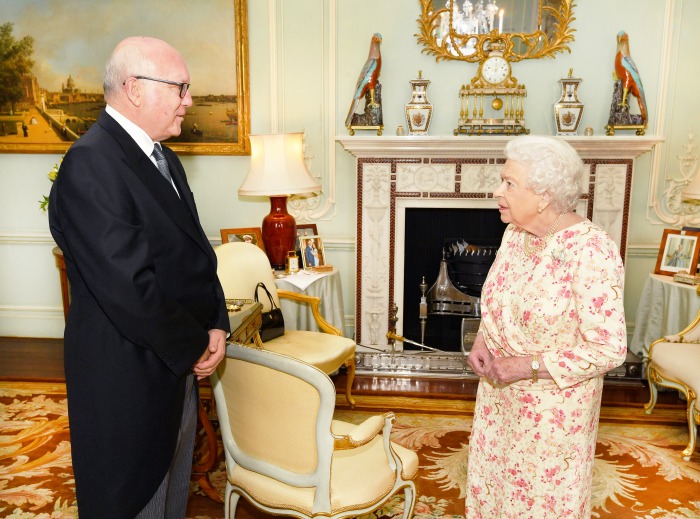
(678, 252)
(54, 89)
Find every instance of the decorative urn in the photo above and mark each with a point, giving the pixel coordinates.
(419, 110)
(569, 110)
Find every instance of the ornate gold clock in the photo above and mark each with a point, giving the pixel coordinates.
(493, 102)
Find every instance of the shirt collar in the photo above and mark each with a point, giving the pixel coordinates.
(137, 133)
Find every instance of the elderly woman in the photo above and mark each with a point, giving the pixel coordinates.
(552, 325)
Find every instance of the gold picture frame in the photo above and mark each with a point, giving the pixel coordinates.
(243, 234)
(218, 123)
(678, 252)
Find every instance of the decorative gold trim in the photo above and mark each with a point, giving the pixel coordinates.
(536, 44)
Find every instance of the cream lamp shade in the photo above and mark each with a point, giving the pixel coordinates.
(277, 167)
(277, 170)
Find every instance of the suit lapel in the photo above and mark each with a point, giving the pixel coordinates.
(181, 211)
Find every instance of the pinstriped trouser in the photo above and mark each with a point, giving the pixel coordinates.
(170, 500)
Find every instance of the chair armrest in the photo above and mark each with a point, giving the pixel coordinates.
(365, 432)
(314, 303)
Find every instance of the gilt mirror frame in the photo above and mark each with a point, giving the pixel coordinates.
(227, 104)
(530, 45)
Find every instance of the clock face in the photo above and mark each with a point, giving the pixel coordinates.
(495, 69)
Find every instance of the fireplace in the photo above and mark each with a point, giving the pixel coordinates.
(466, 239)
(399, 175)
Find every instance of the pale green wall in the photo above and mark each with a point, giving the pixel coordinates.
(305, 56)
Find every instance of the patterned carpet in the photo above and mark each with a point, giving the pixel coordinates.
(639, 471)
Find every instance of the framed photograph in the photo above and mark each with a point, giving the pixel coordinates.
(678, 252)
(55, 90)
(312, 254)
(245, 234)
(304, 229)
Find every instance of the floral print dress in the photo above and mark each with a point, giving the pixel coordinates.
(532, 445)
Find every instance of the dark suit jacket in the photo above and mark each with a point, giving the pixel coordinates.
(144, 293)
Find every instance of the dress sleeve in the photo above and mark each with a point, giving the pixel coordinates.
(598, 307)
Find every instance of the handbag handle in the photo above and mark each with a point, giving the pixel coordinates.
(272, 301)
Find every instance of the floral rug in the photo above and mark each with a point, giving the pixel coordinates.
(639, 470)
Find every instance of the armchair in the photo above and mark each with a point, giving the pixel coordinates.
(287, 456)
(674, 361)
(241, 267)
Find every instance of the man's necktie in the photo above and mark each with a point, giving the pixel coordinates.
(163, 165)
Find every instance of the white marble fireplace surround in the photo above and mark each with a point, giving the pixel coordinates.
(396, 173)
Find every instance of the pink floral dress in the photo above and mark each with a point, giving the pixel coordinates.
(532, 445)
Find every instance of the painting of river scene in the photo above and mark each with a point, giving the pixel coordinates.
(55, 93)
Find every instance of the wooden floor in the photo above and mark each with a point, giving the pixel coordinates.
(42, 359)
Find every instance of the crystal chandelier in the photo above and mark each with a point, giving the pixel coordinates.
(472, 18)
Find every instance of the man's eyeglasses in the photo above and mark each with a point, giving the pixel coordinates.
(184, 87)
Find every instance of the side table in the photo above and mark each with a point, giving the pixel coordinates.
(665, 308)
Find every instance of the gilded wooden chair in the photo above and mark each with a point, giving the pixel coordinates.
(241, 267)
(674, 361)
(287, 456)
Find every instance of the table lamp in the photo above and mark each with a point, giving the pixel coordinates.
(277, 170)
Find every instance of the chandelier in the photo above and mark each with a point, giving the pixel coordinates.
(472, 18)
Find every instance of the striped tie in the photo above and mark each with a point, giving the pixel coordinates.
(162, 163)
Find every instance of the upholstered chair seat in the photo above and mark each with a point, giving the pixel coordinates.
(674, 361)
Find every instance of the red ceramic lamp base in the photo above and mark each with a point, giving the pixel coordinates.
(279, 232)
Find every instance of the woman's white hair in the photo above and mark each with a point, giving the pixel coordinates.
(552, 167)
(127, 59)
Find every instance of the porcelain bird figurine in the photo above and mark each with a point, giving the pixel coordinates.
(368, 77)
(626, 70)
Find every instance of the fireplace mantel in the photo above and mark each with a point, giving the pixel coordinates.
(396, 173)
(443, 146)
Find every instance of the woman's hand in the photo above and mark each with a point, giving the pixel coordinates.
(504, 370)
(480, 358)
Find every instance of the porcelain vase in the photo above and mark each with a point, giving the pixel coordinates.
(419, 110)
(569, 110)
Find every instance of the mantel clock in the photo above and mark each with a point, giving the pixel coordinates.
(493, 102)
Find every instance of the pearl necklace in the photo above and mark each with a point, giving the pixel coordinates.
(530, 249)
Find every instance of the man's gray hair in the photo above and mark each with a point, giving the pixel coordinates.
(127, 60)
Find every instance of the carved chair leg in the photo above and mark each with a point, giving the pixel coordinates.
(653, 391)
(350, 365)
(692, 426)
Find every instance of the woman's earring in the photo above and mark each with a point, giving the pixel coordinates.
(539, 210)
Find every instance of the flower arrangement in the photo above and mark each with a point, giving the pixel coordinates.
(53, 174)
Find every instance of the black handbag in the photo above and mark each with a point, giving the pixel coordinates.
(272, 321)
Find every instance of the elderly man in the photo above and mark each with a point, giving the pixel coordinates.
(148, 316)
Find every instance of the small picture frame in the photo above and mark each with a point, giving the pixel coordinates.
(678, 252)
(304, 229)
(243, 234)
(312, 253)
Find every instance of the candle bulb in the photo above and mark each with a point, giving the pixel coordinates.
(500, 21)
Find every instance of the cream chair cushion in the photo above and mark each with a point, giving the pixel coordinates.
(355, 477)
(326, 352)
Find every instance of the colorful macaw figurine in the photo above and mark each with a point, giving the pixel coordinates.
(626, 70)
(368, 77)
